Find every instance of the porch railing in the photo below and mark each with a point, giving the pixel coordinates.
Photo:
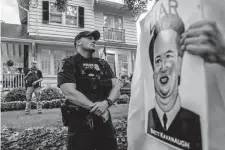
(12, 80)
(114, 34)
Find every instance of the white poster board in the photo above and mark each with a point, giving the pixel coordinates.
(156, 119)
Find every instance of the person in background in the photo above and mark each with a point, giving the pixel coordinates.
(126, 81)
(33, 78)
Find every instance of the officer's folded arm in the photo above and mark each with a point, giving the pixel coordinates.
(115, 92)
(75, 97)
(101, 107)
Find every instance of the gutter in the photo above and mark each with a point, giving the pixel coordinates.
(30, 41)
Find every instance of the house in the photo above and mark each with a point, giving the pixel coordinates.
(50, 33)
(15, 47)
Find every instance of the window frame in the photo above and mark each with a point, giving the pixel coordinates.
(114, 15)
(129, 61)
(40, 64)
(113, 31)
(63, 16)
(77, 17)
(52, 69)
(54, 13)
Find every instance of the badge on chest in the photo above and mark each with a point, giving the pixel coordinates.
(91, 70)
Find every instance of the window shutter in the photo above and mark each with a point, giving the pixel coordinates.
(45, 11)
(81, 16)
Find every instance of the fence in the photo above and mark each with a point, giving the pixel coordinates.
(12, 80)
(114, 34)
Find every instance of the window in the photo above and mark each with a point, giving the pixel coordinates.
(45, 62)
(113, 28)
(74, 15)
(55, 16)
(71, 15)
(123, 64)
(111, 62)
(58, 56)
(50, 60)
(112, 21)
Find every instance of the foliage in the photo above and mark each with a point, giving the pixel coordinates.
(51, 93)
(123, 99)
(61, 5)
(10, 63)
(51, 138)
(47, 94)
(121, 133)
(135, 6)
(19, 105)
(17, 94)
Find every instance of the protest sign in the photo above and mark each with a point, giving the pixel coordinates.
(175, 96)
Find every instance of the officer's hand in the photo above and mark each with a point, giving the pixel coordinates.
(204, 39)
(116, 82)
(105, 116)
(99, 108)
(34, 83)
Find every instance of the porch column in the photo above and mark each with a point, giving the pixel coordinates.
(117, 64)
(130, 63)
(34, 51)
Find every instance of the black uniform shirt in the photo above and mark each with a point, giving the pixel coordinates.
(34, 76)
(92, 76)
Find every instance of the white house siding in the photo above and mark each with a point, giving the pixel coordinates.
(36, 27)
(130, 30)
(129, 25)
(93, 19)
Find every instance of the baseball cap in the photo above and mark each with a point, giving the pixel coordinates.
(95, 34)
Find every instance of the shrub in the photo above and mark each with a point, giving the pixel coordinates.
(121, 133)
(17, 94)
(18, 105)
(123, 99)
(51, 93)
(51, 138)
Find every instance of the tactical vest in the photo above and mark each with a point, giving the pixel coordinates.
(33, 76)
(89, 79)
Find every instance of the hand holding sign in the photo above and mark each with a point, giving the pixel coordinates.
(204, 39)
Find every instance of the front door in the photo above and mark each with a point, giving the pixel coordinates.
(111, 62)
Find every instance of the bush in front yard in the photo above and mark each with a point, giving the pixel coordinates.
(51, 93)
(123, 99)
(17, 94)
(47, 94)
(51, 138)
(18, 105)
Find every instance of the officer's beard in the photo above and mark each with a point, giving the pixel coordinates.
(90, 50)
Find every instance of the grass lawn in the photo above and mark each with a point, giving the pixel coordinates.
(50, 117)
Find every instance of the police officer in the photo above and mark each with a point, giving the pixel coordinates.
(90, 88)
(33, 78)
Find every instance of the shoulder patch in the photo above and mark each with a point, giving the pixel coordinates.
(61, 64)
(102, 61)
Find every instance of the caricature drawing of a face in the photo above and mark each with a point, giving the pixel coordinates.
(166, 65)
